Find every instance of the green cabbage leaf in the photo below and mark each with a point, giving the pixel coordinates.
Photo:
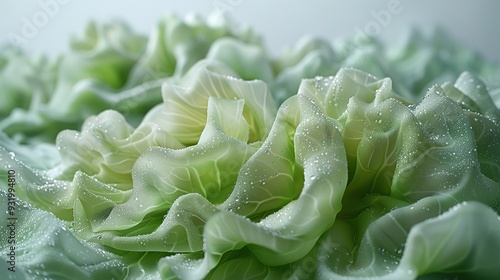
(192, 154)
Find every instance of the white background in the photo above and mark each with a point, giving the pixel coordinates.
(473, 23)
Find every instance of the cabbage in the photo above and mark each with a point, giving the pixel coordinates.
(116, 69)
(194, 155)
